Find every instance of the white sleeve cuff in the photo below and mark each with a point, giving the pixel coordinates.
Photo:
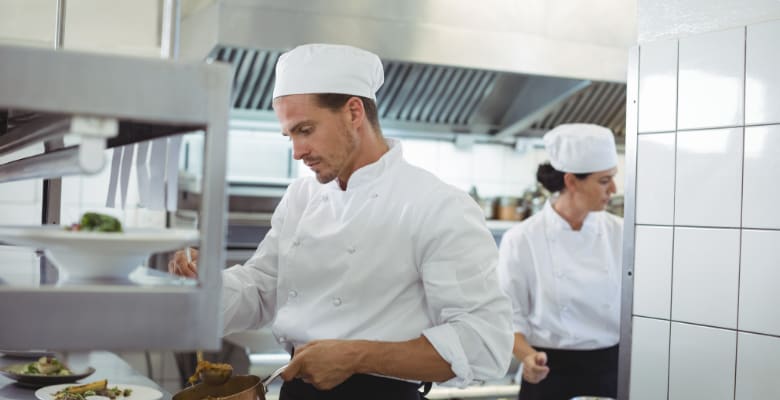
(447, 343)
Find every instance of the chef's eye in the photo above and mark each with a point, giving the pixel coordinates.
(305, 130)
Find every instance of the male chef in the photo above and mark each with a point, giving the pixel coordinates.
(375, 274)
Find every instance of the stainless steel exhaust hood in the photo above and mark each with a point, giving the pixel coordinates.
(439, 79)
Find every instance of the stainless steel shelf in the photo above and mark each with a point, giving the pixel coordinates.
(146, 98)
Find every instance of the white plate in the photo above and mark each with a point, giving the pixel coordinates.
(97, 256)
(138, 392)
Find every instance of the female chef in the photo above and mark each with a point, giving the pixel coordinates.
(561, 269)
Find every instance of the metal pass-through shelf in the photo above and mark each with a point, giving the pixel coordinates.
(110, 100)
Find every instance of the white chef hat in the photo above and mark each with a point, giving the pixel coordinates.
(581, 148)
(328, 68)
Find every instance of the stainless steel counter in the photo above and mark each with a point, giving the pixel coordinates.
(107, 366)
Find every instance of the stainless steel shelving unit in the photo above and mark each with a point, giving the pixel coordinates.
(110, 101)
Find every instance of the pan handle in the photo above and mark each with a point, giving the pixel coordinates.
(274, 375)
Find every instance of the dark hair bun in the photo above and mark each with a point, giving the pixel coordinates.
(549, 177)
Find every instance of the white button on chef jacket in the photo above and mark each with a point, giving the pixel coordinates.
(564, 284)
(396, 255)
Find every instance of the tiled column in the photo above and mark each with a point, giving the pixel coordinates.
(707, 222)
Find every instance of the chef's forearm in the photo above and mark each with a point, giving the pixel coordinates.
(415, 359)
(521, 348)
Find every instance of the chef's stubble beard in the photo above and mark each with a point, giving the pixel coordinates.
(350, 144)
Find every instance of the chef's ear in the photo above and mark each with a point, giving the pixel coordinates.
(570, 181)
(357, 113)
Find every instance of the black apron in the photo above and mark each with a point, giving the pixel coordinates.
(357, 387)
(575, 373)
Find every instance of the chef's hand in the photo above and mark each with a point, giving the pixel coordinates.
(322, 363)
(179, 265)
(535, 367)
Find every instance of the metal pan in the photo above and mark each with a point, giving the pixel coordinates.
(247, 387)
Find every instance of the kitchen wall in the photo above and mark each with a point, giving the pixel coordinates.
(494, 169)
(707, 226)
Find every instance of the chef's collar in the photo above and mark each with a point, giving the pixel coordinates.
(558, 223)
(369, 173)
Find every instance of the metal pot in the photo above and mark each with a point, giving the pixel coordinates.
(507, 208)
(246, 387)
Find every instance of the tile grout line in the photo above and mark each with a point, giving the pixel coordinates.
(674, 220)
(741, 202)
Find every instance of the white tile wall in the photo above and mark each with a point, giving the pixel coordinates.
(655, 179)
(759, 296)
(21, 200)
(455, 163)
(708, 178)
(495, 170)
(254, 156)
(705, 276)
(422, 153)
(711, 80)
(658, 87)
(649, 359)
(726, 223)
(758, 360)
(762, 81)
(488, 160)
(20, 266)
(653, 271)
(761, 193)
(20, 214)
(21, 192)
(701, 363)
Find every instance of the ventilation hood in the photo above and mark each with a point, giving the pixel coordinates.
(447, 71)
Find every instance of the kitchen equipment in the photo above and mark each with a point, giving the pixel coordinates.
(507, 208)
(211, 376)
(488, 207)
(591, 398)
(246, 387)
(106, 257)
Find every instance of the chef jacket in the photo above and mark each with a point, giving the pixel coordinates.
(564, 284)
(396, 255)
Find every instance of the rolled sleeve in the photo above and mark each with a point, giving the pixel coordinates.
(472, 329)
(446, 341)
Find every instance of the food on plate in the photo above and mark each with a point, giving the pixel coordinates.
(97, 222)
(204, 365)
(48, 366)
(97, 388)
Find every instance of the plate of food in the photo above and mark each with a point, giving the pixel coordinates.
(98, 248)
(98, 390)
(45, 371)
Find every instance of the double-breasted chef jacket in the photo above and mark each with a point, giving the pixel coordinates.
(397, 254)
(564, 284)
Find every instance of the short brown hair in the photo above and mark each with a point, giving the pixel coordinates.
(334, 102)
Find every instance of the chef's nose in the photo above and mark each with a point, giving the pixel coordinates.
(300, 149)
(612, 189)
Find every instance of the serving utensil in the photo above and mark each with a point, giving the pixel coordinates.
(213, 376)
